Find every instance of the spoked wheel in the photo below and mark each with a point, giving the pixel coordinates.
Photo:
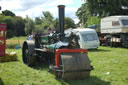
(28, 58)
(74, 66)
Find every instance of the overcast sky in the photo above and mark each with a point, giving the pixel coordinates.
(34, 8)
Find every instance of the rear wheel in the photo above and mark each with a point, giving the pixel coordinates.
(27, 55)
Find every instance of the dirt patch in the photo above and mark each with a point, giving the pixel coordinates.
(14, 41)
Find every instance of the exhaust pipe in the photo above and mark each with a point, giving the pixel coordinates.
(61, 21)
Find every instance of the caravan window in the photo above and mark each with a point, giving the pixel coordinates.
(125, 22)
(115, 23)
(89, 37)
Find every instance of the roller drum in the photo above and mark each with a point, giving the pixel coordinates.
(75, 66)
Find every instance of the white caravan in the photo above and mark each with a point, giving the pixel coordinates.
(115, 30)
(88, 38)
(114, 24)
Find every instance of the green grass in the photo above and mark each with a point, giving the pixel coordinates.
(18, 38)
(15, 41)
(105, 59)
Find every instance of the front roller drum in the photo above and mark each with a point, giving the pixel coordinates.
(74, 66)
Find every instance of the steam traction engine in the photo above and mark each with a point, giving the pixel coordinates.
(61, 51)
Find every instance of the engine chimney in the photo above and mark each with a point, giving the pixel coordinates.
(61, 21)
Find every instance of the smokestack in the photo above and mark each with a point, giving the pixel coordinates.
(61, 21)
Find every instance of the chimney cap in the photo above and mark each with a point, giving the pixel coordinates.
(61, 6)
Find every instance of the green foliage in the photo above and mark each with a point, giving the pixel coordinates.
(29, 26)
(69, 23)
(47, 22)
(108, 7)
(44, 23)
(93, 20)
(47, 16)
(8, 13)
(15, 25)
(56, 23)
(8, 20)
(11, 46)
(19, 26)
(38, 28)
(83, 14)
(38, 21)
(101, 8)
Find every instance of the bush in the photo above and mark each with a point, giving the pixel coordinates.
(12, 46)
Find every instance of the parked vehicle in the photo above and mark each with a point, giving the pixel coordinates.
(114, 30)
(88, 38)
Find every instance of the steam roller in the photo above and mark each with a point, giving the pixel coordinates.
(74, 65)
(59, 50)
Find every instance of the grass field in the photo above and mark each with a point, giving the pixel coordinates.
(16, 40)
(111, 68)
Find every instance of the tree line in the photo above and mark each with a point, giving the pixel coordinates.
(18, 26)
(93, 10)
(15, 24)
(89, 13)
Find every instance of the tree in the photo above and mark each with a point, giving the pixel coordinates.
(83, 14)
(69, 23)
(101, 8)
(19, 26)
(15, 25)
(48, 22)
(48, 16)
(93, 20)
(108, 7)
(56, 23)
(38, 21)
(8, 20)
(29, 25)
(8, 13)
(44, 23)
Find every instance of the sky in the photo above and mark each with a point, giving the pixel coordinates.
(34, 8)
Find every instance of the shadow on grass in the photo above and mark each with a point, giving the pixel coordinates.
(9, 61)
(98, 50)
(41, 66)
(92, 80)
(1, 82)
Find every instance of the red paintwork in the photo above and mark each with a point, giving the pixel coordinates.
(2, 39)
(58, 51)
